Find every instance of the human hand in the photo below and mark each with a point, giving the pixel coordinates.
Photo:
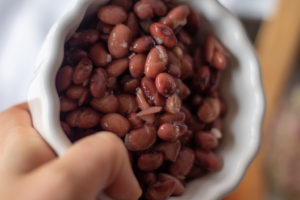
(30, 170)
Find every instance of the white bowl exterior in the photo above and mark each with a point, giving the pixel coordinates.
(242, 90)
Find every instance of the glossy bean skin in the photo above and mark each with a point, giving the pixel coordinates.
(143, 10)
(83, 118)
(67, 105)
(140, 139)
(165, 84)
(119, 41)
(171, 132)
(173, 104)
(149, 89)
(84, 38)
(143, 44)
(117, 67)
(177, 17)
(115, 123)
(159, 7)
(160, 190)
(179, 187)
(98, 83)
(75, 92)
(210, 110)
(137, 65)
(64, 78)
(112, 14)
(201, 80)
(163, 35)
(171, 118)
(208, 160)
(127, 103)
(130, 85)
(99, 55)
(106, 104)
(206, 140)
(156, 61)
(82, 71)
(183, 164)
(150, 161)
(169, 149)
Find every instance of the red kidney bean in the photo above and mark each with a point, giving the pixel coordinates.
(201, 80)
(135, 121)
(82, 71)
(130, 85)
(179, 187)
(98, 83)
(159, 7)
(83, 118)
(141, 139)
(149, 88)
(73, 56)
(156, 61)
(169, 149)
(206, 140)
(117, 67)
(67, 105)
(133, 25)
(178, 16)
(119, 41)
(193, 22)
(112, 14)
(150, 161)
(99, 55)
(159, 100)
(183, 90)
(143, 44)
(126, 4)
(84, 38)
(75, 92)
(173, 104)
(150, 111)
(208, 159)
(160, 190)
(183, 164)
(137, 65)
(115, 123)
(143, 10)
(187, 66)
(67, 129)
(64, 78)
(210, 110)
(171, 118)
(174, 64)
(163, 35)
(149, 178)
(141, 100)
(128, 103)
(215, 53)
(165, 84)
(106, 104)
(170, 132)
(219, 60)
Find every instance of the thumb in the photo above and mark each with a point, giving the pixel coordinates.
(96, 163)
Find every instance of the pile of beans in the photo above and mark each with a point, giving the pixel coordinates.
(135, 69)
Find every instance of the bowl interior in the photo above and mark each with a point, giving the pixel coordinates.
(241, 89)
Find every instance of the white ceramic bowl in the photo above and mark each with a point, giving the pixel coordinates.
(241, 88)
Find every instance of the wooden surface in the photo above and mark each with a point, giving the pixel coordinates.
(277, 46)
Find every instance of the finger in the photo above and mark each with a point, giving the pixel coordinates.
(22, 148)
(93, 164)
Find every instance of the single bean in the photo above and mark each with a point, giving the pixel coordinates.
(171, 118)
(119, 41)
(143, 44)
(178, 16)
(208, 160)
(210, 110)
(135, 121)
(183, 90)
(98, 83)
(137, 65)
(150, 161)
(165, 84)
(143, 10)
(129, 84)
(212, 45)
(183, 164)
(219, 60)
(201, 80)
(187, 66)
(169, 149)
(141, 139)
(133, 25)
(67, 105)
(141, 100)
(179, 187)
(160, 190)
(163, 35)
(206, 140)
(171, 132)
(126, 4)
(156, 61)
(84, 38)
(64, 78)
(99, 55)
(128, 103)
(117, 67)
(148, 87)
(173, 104)
(159, 7)
(106, 104)
(82, 71)
(84, 97)
(115, 123)
(83, 118)
(174, 65)
(75, 92)
(159, 100)
(112, 14)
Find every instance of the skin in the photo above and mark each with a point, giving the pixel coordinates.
(29, 169)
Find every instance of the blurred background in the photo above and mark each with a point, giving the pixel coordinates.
(274, 28)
